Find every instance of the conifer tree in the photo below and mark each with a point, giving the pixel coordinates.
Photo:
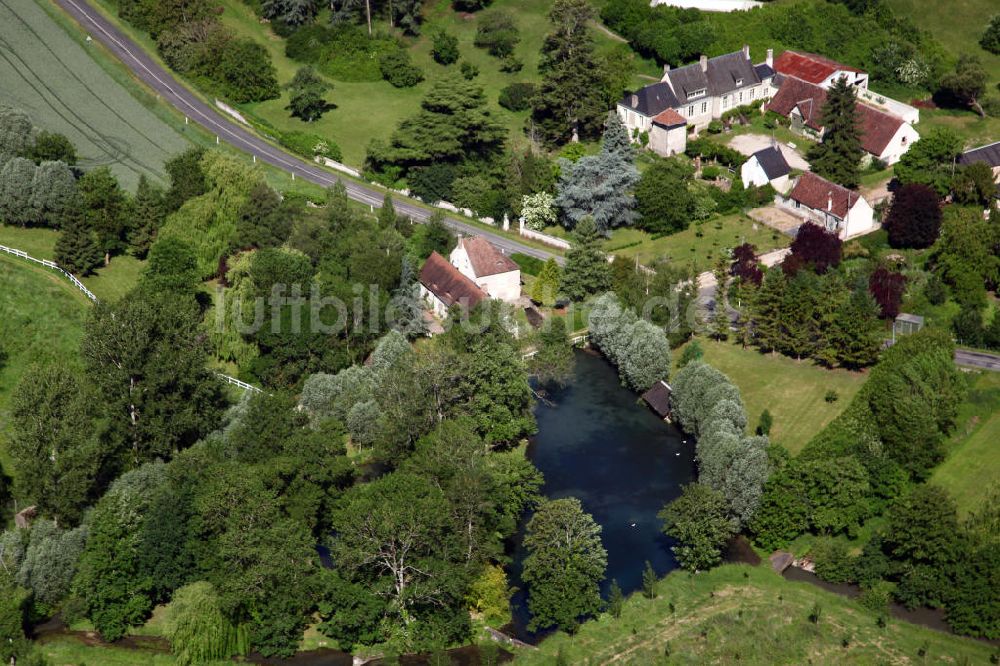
(546, 284)
(149, 211)
(407, 309)
(615, 599)
(77, 250)
(838, 157)
(601, 186)
(569, 105)
(766, 308)
(856, 335)
(649, 581)
(387, 213)
(586, 270)
(720, 321)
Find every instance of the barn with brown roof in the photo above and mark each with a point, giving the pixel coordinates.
(832, 206)
(883, 136)
(442, 286)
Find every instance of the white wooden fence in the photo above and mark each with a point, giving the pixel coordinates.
(89, 294)
(54, 266)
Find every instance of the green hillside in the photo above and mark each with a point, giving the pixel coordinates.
(750, 615)
(41, 321)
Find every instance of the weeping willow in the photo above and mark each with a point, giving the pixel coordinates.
(197, 629)
(232, 312)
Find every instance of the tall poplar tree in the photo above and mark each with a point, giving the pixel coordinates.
(838, 157)
(569, 104)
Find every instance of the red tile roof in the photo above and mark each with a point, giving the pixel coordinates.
(877, 127)
(669, 118)
(485, 258)
(820, 194)
(444, 281)
(797, 93)
(809, 66)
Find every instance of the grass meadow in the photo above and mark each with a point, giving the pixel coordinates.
(751, 615)
(41, 321)
(373, 109)
(108, 283)
(973, 461)
(793, 391)
(700, 245)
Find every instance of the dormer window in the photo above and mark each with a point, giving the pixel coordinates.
(697, 93)
(739, 82)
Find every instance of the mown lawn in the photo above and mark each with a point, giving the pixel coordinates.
(108, 284)
(973, 461)
(700, 245)
(793, 391)
(41, 321)
(741, 614)
(367, 110)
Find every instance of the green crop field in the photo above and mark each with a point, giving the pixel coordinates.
(52, 77)
(41, 321)
(749, 615)
(793, 391)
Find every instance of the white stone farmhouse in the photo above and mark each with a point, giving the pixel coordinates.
(831, 206)
(489, 268)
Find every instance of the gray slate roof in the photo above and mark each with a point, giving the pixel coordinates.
(763, 71)
(720, 76)
(651, 100)
(773, 162)
(989, 154)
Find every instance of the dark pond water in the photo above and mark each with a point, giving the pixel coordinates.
(598, 443)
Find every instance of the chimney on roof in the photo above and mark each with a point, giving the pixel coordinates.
(635, 100)
(666, 68)
(746, 51)
(770, 58)
(704, 63)
(829, 201)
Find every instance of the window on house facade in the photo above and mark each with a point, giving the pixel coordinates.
(752, 91)
(690, 110)
(741, 97)
(704, 107)
(725, 102)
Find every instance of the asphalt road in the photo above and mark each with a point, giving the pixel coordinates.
(973, 359)
(157, 78)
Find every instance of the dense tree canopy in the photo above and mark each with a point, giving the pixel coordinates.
(564, 566)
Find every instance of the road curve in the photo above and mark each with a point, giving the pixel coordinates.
(157, 78)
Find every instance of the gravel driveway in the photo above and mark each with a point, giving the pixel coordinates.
(748, 144)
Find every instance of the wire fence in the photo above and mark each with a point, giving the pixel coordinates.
(89, 294)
